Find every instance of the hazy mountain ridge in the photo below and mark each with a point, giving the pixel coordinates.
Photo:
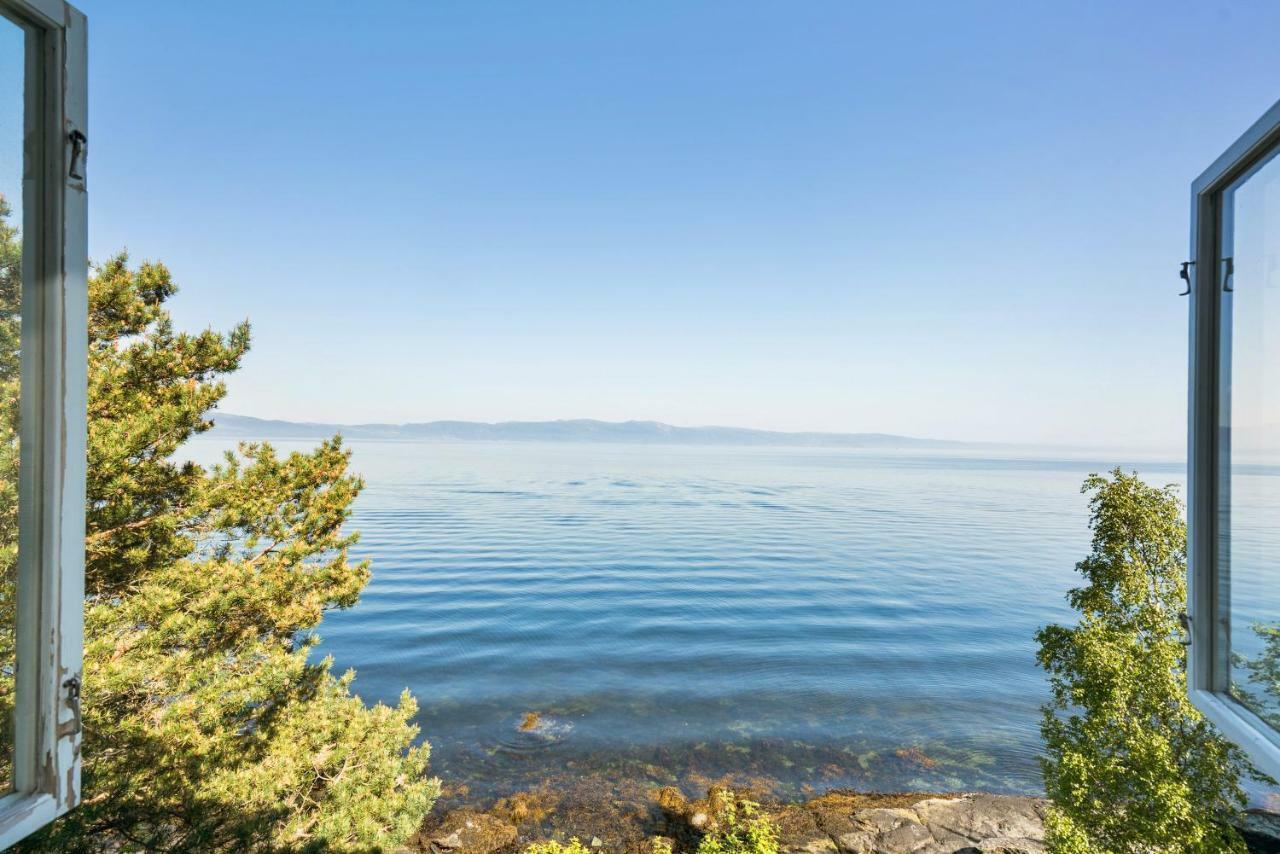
(572, 430)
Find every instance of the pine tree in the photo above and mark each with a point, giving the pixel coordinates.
(207, 726)
(1130, 766)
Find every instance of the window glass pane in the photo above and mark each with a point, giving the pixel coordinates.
(1250, 272)
(12, 122)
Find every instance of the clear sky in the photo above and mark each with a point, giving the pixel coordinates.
(958, 220)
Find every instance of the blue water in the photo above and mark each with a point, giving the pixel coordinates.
(803, 616)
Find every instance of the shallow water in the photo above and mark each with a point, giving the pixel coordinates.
(805, 617)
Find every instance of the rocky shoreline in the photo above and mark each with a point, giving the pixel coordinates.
(645, 802)
(837, 822)
(628, 818)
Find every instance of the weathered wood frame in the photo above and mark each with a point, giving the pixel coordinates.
(46, 767)
(1209, 448)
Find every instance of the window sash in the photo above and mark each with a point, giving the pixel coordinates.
(1208, 453)
(46, 766)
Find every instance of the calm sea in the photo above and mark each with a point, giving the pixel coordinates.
(803, 617)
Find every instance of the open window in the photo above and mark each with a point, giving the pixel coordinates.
(1233, 504)
(43, 343)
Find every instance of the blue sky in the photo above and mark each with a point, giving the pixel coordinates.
(959, 220)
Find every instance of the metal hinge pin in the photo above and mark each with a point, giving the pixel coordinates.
(72, 686)
(79, 142)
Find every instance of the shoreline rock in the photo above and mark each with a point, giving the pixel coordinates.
(941, 825)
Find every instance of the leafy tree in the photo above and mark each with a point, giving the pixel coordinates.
(1130, 765)
(206, 727)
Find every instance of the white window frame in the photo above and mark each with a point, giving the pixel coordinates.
(1208, 453)
(50, 630)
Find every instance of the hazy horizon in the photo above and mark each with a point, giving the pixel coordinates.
(959, 223)
(354, 422)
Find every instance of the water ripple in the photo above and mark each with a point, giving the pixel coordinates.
(813, 608)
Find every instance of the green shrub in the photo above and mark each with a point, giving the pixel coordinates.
(575, 846)
(737, 827)
(1130, 766)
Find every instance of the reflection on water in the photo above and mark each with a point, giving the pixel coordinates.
(804, 616)
(1255, 632)
(1251, 411)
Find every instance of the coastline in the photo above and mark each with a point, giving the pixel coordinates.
(629, 816)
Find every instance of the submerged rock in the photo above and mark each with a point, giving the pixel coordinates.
(544, 727)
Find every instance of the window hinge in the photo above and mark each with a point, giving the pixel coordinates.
(72, 687)
(1184, 621)
(79, 143)
(1185, 275)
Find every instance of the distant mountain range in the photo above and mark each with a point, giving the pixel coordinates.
(576, 430)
